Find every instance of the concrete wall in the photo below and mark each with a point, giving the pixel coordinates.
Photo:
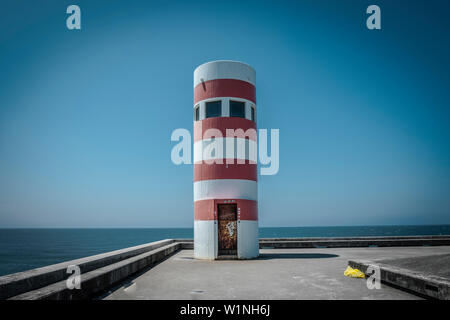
(422, 283)
(28, 281)
(355, 242)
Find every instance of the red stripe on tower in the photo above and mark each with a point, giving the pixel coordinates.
(247, 171)
(225, 88)
(222, 124)
(204, 209)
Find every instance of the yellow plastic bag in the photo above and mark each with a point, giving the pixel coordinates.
(353, 273)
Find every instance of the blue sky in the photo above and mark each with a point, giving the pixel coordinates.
(86, 116)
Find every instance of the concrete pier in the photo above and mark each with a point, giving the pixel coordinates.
(304, 268)
(276, 274)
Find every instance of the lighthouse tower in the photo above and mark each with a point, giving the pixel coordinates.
(225, 168)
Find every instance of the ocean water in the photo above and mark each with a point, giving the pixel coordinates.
(24, 249)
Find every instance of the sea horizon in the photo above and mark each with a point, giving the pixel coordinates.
(29, 248)
(264, 227)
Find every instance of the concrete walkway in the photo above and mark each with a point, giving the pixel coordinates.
(277, 274)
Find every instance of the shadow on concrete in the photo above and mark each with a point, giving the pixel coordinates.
(269, 256)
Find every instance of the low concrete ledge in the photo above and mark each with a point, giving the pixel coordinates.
(189, 245)
(99, 280)
(17, 283)
(343, 242)
(355, 242)
(423, 284)
(434, 237)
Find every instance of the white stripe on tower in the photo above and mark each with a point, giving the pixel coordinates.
(224, 70)
(226, 189)
(244, 144)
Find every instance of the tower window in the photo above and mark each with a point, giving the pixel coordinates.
(253, 113)
(213, 109)
(237, 109)
(197, 113)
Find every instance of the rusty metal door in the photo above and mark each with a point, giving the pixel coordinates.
(227, 229)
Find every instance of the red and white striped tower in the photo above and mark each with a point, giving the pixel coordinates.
(225, 195)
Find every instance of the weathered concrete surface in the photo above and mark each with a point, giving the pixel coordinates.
(355, 238)
(100, 279)
(427, 275)
(277, 274)
(355, 242)
(436, 265)
(29, 281)
(345, 242)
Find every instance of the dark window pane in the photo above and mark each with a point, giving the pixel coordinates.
(253, 113)
(237, 109)
(213, 109)
(197, 113)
